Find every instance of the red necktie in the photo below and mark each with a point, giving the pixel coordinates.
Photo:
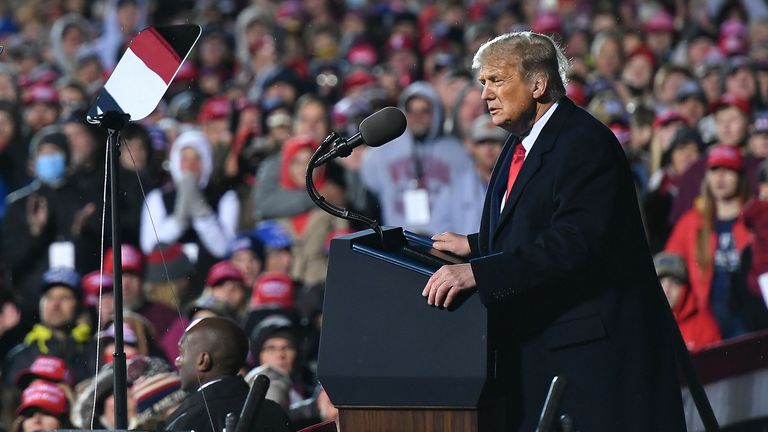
(514, 168)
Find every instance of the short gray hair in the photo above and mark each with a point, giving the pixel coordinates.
(538, 54)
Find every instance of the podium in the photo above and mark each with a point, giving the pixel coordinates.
(388, 360)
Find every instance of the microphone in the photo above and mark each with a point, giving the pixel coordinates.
(377, 129)
(253, 402)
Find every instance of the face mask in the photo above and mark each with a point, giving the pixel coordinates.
(50, 168)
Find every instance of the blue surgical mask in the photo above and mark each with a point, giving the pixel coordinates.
(50, 168)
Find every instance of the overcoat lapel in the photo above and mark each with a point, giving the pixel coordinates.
(533, 162)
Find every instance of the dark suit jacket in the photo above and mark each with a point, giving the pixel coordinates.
(221, 398)
(566, 274)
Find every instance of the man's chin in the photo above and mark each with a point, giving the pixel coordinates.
(59, 325)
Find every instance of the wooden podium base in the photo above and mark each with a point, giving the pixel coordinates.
(407, 420)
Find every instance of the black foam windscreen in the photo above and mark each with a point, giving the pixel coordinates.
(383, 126)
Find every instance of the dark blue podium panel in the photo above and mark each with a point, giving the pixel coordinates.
(381, 343)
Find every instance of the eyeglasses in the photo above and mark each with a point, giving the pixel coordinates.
(325, 79)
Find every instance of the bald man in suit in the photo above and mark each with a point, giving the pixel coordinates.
(212, 351)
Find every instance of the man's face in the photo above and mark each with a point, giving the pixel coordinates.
(692, 109)
(217, 131)
(191, 162)
(673, 288)
(278, 353)
(638, 72)
(38, 115)
(231, 292)
(418, 112)
(608, 60)
(279, 260)
(485, 153)
(297, 168)
(684, 156)
(311, 119)
(731, 125)
(508, 96)
(127, 16)
(659, 42)
(135, 157)
(186, 362)
(132, 290)
(758, 145)
(741, 83)
(248, 263)
(81, 143)
(57, 307)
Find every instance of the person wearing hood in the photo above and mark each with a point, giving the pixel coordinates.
(697, 326)
(58, 332)
(122, 20)
(47, 222)
(69, 34)
(187, 211)
(271, 199)
(413, 172)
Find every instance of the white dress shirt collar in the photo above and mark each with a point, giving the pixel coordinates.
(209, 383)
(530, 139)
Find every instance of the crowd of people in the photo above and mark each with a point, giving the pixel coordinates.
(215, 218)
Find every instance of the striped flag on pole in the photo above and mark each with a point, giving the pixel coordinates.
(145, 71)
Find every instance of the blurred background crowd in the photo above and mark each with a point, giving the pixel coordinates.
(215, 217)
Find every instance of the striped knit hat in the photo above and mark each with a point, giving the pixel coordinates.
(154, 396)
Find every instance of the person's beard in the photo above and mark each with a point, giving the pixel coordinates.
(420, 133)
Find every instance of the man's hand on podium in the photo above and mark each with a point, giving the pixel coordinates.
(452, 242)
(447, 282)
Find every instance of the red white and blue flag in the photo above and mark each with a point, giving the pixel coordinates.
(145, 71)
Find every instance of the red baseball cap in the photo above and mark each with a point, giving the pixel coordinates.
(41, 93)
(643, 51)
(46, 368)
(661, 21)
(215, 108)
(667, 117)
(363, 54)
(547, 22)
(273, 288)
(131, 258)
(731, 100)
(399, 41)
(359, 77)
(223, 271)
(725, 156)
(90, 283)
(44, 396)
(187, 72)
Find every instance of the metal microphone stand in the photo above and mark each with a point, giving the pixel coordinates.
(114, 122)
(321, 156)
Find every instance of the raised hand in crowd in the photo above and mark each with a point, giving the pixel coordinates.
(82, 215)
(37, 214)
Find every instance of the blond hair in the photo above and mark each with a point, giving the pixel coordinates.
(537, 54)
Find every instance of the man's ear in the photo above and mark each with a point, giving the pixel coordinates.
(540, 82)
(204, 362)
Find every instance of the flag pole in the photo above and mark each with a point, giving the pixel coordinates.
(114, 122)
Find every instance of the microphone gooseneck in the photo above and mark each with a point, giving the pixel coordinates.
(377, 129)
